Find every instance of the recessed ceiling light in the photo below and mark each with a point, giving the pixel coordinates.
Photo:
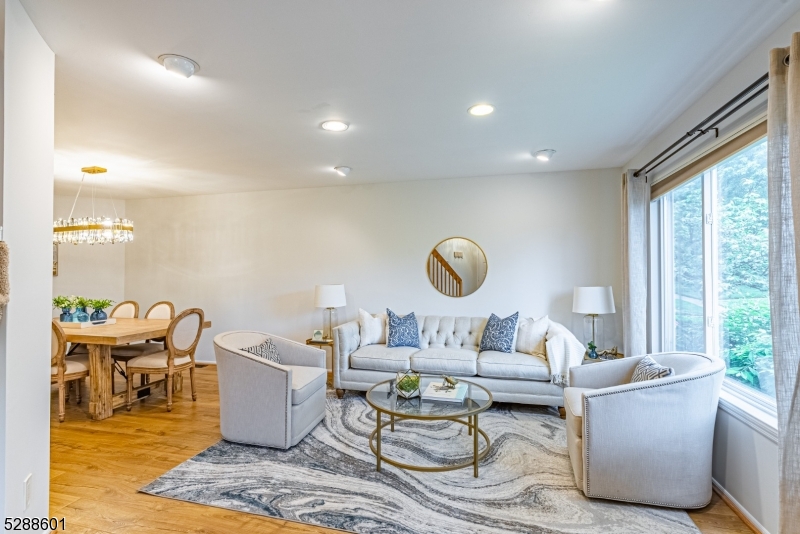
(342, 171)
(544, 155)
(180, 65)
(335, 126)
(479, 110)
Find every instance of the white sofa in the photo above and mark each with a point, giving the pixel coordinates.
(448, 345)
(648, 442)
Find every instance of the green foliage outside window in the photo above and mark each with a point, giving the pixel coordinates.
(742, 282)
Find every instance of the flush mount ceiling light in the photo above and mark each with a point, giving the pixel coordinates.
(479, 110)
(544, 155)
(92, 230)
(179, 65)
(334, 126)
(342, 171)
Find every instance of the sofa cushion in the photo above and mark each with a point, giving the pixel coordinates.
(500, 334)
(306, 381)
(573, 404)
(382, 358)
(451, 332)
(461, 362)
(494, 364)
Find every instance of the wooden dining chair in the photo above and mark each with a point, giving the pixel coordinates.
(63, 370)
(181, 341)
(128, 309)
(159, 310)
(124, 353)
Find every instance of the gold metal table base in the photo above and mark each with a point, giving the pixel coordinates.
(477, 456)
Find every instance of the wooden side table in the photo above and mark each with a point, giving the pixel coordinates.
(320, 345)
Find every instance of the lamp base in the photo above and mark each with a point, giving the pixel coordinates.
(593, 330)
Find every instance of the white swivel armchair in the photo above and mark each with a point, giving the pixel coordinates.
(266, 403)
(648, 442)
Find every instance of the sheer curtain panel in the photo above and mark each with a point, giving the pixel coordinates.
(635, 209)
(783, 126)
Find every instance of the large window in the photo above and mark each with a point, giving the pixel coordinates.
(714, 267)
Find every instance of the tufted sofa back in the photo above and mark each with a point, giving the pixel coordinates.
(436, 332)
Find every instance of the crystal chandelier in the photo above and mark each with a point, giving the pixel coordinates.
(92, 230)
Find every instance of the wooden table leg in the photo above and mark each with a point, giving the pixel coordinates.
(100, 377)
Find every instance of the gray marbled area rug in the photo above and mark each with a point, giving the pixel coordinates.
(329, 479)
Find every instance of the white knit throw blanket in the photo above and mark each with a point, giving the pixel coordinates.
(563, 351)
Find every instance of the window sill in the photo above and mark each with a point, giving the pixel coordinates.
(760, 418)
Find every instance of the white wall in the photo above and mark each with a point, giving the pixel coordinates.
(27, 198)
(93, 271)
(251, 260)
(745, 463)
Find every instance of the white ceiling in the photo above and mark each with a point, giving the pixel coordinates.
(594, 80)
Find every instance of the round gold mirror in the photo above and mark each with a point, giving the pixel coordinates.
(457, 267)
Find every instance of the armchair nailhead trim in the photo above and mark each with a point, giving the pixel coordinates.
(656, 384)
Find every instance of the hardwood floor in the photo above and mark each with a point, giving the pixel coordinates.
(98, 466)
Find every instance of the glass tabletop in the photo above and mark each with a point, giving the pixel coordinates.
(383, 396)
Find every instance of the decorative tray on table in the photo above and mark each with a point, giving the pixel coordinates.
(88, 324)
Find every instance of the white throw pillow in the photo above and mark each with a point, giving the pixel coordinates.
(531, 336)
(372, 329)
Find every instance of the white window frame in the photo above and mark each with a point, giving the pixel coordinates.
(754, 407)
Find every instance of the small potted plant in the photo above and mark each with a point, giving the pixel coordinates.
(98, 305)
(80, 315)
(592, 350)
(65, 305)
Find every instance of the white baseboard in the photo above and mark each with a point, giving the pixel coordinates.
(745, 516)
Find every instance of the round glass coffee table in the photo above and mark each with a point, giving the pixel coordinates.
(383, 397)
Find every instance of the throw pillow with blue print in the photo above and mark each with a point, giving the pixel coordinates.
(649, 369)
(403, 331)
(499, 333)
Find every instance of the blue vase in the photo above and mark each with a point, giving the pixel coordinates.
(98, 315)
(80, 316)
(593, 354)
(66, 315)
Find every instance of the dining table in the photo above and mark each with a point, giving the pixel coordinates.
(98, 340)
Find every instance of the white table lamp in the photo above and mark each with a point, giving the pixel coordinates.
(329, 297)
(592, 302)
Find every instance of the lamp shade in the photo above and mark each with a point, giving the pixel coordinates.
(329, 296)
(593, 300)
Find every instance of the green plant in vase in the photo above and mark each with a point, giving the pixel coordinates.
(65, 305)
(98, 305)
(408, 384)
(81, 303)
(592, 350)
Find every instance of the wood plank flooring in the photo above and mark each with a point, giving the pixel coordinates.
(97, 466)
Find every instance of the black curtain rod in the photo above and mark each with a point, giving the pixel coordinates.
(737, 102)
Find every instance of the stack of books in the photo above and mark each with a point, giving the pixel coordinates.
(438, 393)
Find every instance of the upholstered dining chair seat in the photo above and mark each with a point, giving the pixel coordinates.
(126, 352)
(75, 364)
(157, 360)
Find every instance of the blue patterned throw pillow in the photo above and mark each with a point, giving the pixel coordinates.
(266, 349)
(403, 331)
(499, 333)
(649, 369)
